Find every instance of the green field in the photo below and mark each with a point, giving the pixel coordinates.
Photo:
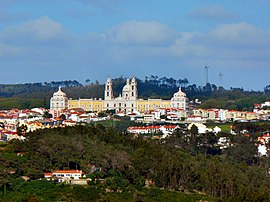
(20, 103)
(226, 127)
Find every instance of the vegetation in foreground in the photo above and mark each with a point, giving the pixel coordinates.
(43, 190)
(177, 166)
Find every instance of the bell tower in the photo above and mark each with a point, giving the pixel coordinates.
(108, 93)
(134, 91)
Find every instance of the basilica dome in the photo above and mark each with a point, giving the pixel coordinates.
(59, 93)
(180, 93)
(126, 88)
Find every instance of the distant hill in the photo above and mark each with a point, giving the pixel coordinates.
(38, 94)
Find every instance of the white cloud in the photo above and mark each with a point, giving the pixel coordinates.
(134, 47)
(240, 35)
(39, 39)
(142, 33)
(41, 29)
(213, 13)
(227, 43)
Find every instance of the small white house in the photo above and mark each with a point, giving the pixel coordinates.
(216, 129)
(63, 175)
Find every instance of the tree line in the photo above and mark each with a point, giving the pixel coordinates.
(152, 86)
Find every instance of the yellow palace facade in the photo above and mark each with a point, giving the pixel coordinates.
(98, 105)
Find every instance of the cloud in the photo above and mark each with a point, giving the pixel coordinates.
(41, 30)
(141, 33)
(132, 47)
(212, 13)
(240, 35)
(235, 43)
(40, 39)
(79, 13)
(108, 6)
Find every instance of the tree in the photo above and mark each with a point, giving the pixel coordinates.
(185, 82)
(21, 130)
(243, 149)
(87, 81)
(267, 89)
(63, 117)
(47, 115)
(194, 130)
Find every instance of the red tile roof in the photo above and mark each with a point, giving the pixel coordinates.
(67, 171)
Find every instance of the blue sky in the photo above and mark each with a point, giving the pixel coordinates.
(93, 39)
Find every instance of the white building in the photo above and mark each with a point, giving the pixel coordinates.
(64, 175)
(59, 101)
(126, 103)
(179, 100)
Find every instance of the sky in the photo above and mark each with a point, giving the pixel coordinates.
(55, 40)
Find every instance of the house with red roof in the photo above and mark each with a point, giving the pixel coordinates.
(64, 175)
(152, 129)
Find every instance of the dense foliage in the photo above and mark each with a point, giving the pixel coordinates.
(187, 162)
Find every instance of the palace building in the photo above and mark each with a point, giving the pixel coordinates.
(127, 102)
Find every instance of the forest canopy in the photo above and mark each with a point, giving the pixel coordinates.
(183, 162)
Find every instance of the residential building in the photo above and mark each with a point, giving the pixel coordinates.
(64, 174)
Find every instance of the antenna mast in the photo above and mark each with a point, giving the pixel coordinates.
(220, 79)
(206, 73)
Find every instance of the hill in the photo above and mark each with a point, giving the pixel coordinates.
(38, 94)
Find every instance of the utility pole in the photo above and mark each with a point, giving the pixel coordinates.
(206, 73)
(220, 78)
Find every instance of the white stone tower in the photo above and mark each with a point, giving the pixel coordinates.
(134, 91)
(108, 93)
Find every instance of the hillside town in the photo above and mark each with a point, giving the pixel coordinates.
(156, 116)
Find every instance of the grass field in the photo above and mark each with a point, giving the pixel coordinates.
(226, 127)
(20, 103)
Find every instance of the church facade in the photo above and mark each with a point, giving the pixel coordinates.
(127, 102)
